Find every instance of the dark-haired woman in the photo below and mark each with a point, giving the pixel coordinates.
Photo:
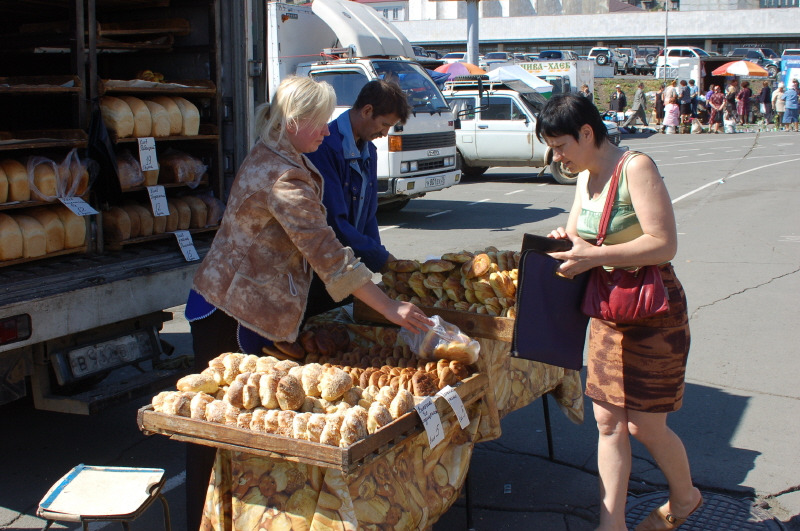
(635, 373)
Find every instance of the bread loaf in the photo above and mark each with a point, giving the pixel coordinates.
(133, 216)
(179, 167)
(173, 218)
(117, 116)
(128, 170)
(74, 226)
(142, 122)
(17, 177)
(159, 119)
(34, 239)
(44, 179)
(3, 186)
(190, 116)
(116, 224)
(184, 213)
(11, 245)
(145, 219)
(198, 219)
(159, 224)
(150, 177)
(53, 227)
(173, 112)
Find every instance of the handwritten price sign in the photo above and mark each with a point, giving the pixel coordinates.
(431, 421)
(78, 206)
(187, 245)
(147, 153)
(456, 403)
(158, 200)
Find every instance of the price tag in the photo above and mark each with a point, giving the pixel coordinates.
(158, 200)
(147, 153)
(78, 206)
(187, 245)
(430, 419)
(456, 403)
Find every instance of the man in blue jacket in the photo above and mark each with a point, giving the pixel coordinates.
(347, 160)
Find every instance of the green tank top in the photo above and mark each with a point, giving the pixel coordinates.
(623, 226)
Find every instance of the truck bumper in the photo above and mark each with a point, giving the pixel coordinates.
(416, 186)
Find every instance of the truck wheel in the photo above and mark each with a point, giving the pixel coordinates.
(602, 59)
(561, 174)
(394, 206)
(772, 70)
(651, 60)
(470, 171)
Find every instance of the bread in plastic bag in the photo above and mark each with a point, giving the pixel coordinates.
(179, 167)
(43, 178)
(129, 171)
(442, 341)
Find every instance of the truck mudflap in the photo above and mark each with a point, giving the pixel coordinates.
(417, 186)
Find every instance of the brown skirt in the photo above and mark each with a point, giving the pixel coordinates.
(641, 365)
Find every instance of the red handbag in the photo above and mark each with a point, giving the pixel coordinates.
(620, 295)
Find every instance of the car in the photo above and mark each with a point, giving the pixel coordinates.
(645, 59)
(497, 57)
(531, 56)
(672, 54)
(607, 56)
(763, 57)
(560, 55)
(454, 57)
(433, 54)
(630, 60)
(790, 51)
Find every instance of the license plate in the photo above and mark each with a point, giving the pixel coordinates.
(431, 182)
(106, 355)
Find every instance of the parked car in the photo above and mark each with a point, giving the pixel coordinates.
(454, 57)
(559, 55)
(630, 60)
(671, 54)
(790, 51)
(607, 56)
(645, 59)
(764, 57)
(433, 54)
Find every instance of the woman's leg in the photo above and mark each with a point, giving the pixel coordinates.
(667, 449)
(613, 464)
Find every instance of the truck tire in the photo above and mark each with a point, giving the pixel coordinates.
(470, 171)
(651, 60)
(394, 206)
(601, 59)
(561, 174)
(772, 70)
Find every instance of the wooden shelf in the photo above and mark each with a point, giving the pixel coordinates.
(40, 85)
(177, 88)
(204, 182)
(208, 133)
(117, 245)
(43, 139)
(16, 205)
(75, 250)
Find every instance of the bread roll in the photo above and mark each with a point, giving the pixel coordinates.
(17, 177)
(354, 426)
(198, 221)
(142, 122)
(159, 119)
(378, 417)
(402, 403)
(334, 383)
(74, 226)
(145, 219)
(190, 116)
(199, 383)
(331, 434)
(11, 245)
(116, 224)
(53, 227)
(3, 186)
(117, 116)
(290, 393)
(34, 239)
(173, 218)
(44, 180)
(184, 213)
(173, 113)
(198, 405)
(133, 216)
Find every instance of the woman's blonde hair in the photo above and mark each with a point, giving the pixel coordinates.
(297, 98)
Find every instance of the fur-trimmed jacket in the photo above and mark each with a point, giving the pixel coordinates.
(273, 234)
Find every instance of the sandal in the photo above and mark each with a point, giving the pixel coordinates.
(662, 520)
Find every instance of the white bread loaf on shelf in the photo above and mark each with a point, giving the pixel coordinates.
(117, 116)
(150, 177)
(159, 119)
(173, 112)
(133, 216)
(10, 238)
(145, 219)
(17, 176)
(53, 227)
(44, 180)
(199, 211)
(3, 186)
(74, 226)
(116, 224)
(34, 240)
(184, 213)
(190, 116)
(160, 224)
(142, 122)
(173, 218)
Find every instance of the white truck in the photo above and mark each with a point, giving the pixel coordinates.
(565, 76)
(348, 44)
(497, 127)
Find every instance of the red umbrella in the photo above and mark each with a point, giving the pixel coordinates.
(740, 68)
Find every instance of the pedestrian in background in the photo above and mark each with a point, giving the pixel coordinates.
(765, 101)
(671, 90)
(730, 99)
(618, 101)
(716, 104)
(672, 116)
(779, 104)
(685, 101)
(790, 113)
(694, 93)
(743, 103)
(639, 107)
(635, 371)
(586, 93)
(658, 106)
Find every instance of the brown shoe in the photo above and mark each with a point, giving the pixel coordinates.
(662, 520)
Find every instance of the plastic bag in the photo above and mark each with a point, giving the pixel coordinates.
(216, 208)
(442, 341)
(43, 179)
(75, 175)
(129, 171)
(179, 167)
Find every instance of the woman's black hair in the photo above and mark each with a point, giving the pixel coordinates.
(565, 114)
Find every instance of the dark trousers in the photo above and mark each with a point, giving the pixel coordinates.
(210, 337)
(320, 301)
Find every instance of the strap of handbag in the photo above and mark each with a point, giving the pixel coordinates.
(605, 218)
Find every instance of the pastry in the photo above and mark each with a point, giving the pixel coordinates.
(378, 416)
(354, 426)
(334, 383)
(290, 393)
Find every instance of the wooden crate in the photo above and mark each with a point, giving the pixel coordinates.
(472, 324)
(317, 454)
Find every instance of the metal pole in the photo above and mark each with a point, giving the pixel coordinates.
(472, 32)
(666, 31)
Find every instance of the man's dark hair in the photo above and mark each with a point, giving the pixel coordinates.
(386, 97)
(565, 114)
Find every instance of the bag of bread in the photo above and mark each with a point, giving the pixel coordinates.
(74, 175)
(443, 341)
(216, 208)
(128, 170)
(42, 174)
(179, 167)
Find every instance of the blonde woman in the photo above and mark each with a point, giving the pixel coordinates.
(250, 292)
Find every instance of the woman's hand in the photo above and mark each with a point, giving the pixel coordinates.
(408, 316)
(578, 259)
(558, 234)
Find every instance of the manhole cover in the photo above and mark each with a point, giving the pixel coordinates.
(717, 513)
